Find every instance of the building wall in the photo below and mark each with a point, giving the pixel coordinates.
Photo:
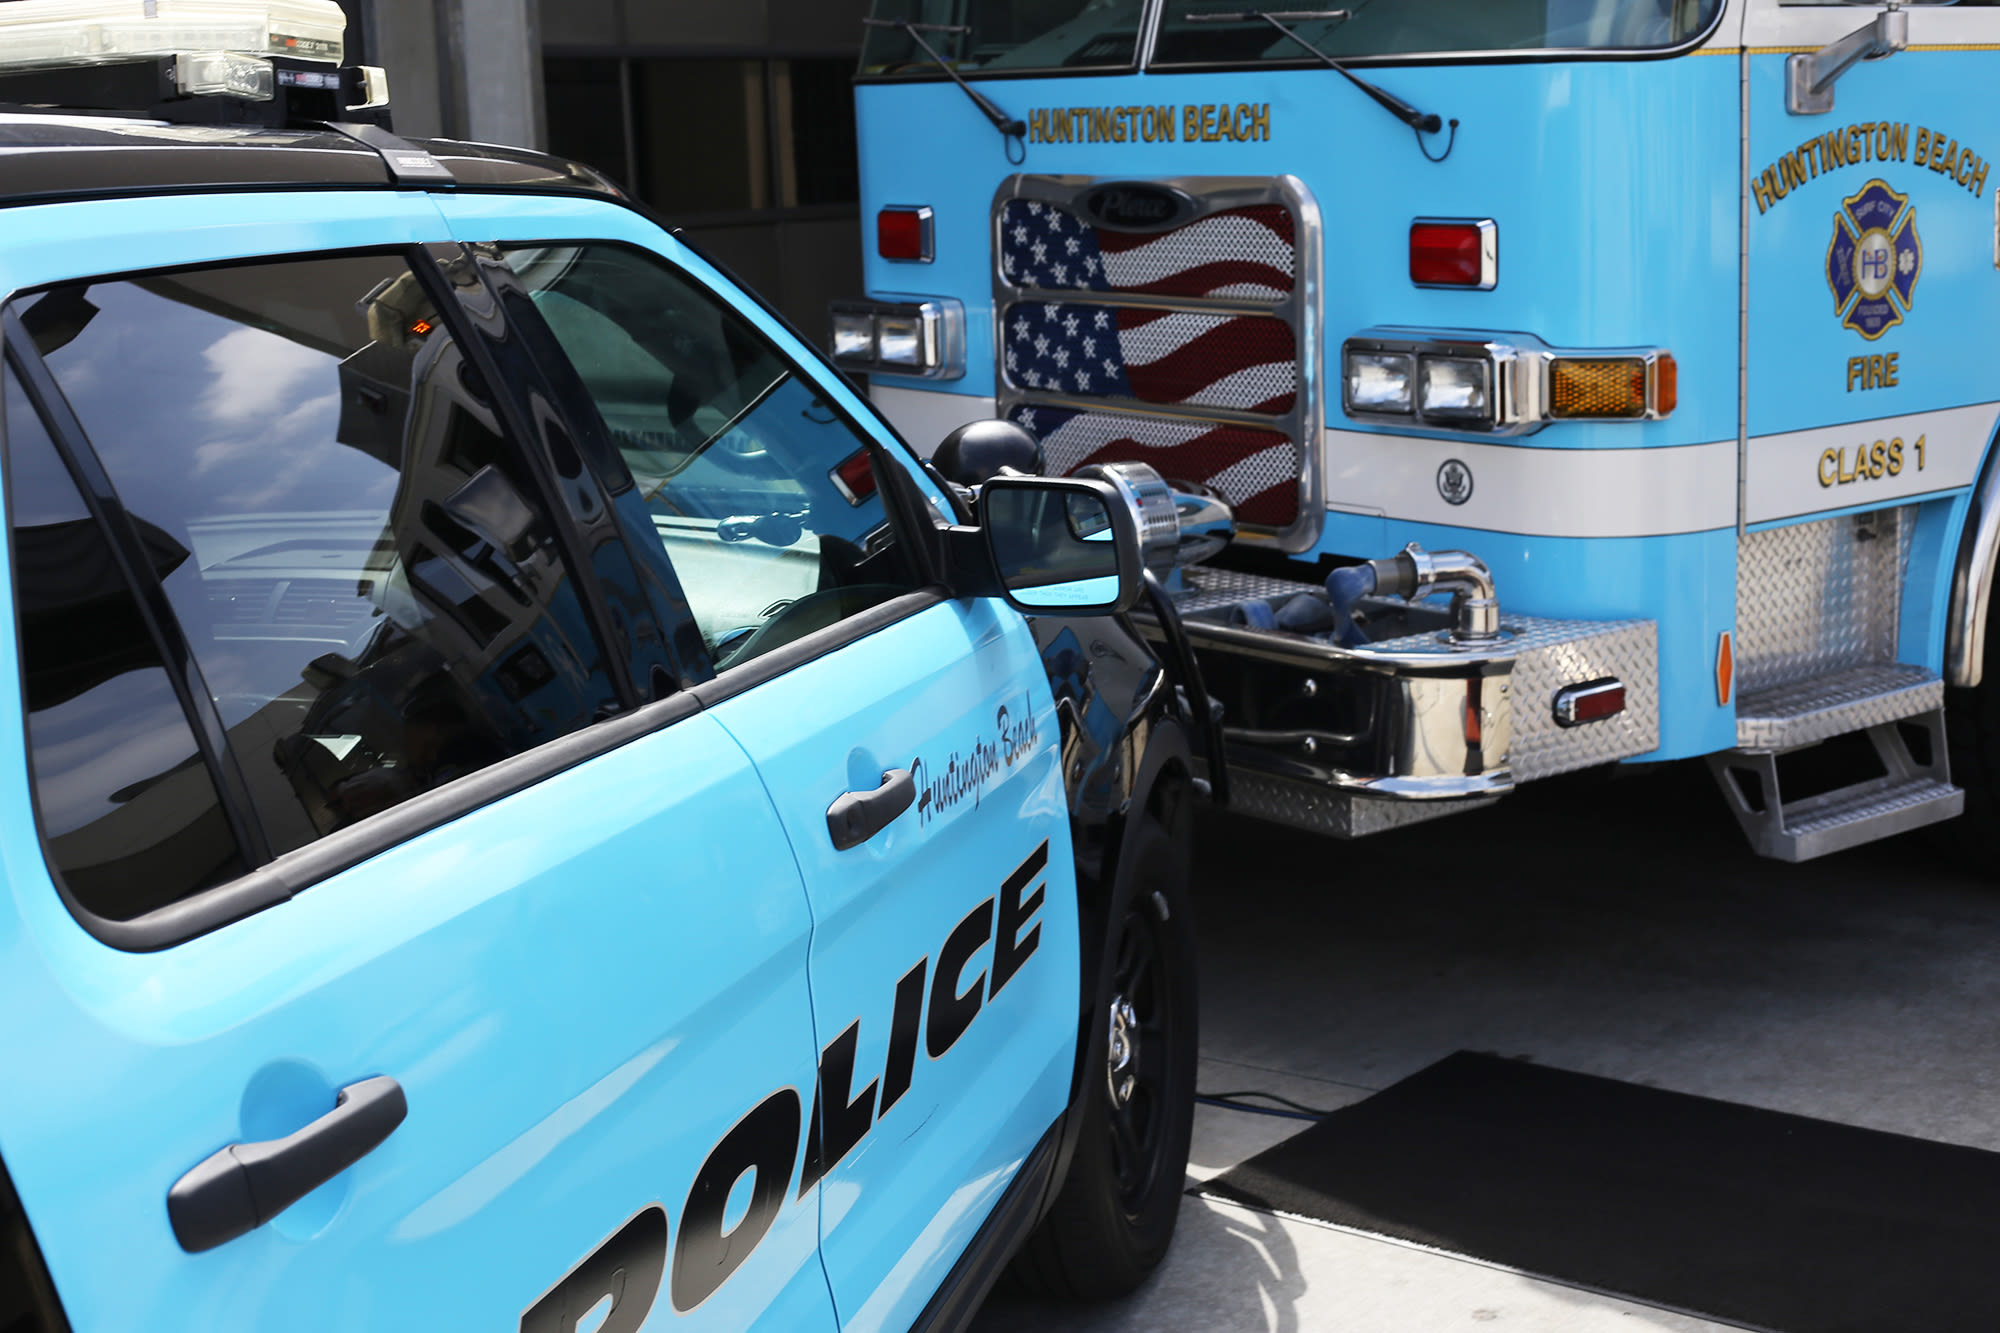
(733, 119)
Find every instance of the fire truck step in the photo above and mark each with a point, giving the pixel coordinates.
(1806, 712)
(1914, 790)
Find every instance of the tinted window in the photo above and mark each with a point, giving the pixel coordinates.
(762, 493)
(977, 35)
(1408, 27)
(127, 804)
(370, 581)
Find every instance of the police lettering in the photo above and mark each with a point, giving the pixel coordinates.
(629, 1268)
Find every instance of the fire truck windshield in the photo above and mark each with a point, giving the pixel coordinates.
(1364, 28)
(978, 36)
(1021, 36)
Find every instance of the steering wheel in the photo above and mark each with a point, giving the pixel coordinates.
(814, 611)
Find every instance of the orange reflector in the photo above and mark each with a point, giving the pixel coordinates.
(1600, 388)
(1725, 671)
(1666, 384)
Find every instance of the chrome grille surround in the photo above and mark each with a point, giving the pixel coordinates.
(1153, 425)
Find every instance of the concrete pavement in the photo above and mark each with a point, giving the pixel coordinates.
(1613, 925)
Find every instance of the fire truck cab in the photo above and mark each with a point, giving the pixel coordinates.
(1591, 380)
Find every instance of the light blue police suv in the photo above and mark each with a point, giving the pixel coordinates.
(525, 805)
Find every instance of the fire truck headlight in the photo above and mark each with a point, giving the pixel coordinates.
(853, 335)
(899, 340)
(1456, 388)
(1379, 381)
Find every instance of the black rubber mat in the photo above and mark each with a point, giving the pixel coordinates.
(1749, 1216)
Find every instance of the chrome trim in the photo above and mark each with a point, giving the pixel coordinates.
(1305, 423)
(926, 223)
(942, 335)
(1521, 366)
(1489, 253)
(1972, 583)
(1475, 606)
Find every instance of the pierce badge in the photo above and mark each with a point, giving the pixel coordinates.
(1874, 261)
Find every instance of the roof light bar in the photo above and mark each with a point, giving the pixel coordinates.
(45, 33)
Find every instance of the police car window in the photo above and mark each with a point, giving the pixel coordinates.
(127, 806)
(997, 35)
(370, 582)
(1414, 27)
(763, 495)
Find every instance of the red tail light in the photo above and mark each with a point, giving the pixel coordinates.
(1454, 253)
(855, 477)
(904, 232)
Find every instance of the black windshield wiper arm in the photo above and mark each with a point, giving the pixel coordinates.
(1423, 122)
(1006, 124)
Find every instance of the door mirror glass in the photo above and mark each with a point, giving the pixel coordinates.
(1062, 547)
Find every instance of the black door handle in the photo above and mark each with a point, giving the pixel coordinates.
(856, 816)
(245, 1185)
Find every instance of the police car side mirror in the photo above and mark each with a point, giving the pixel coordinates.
(1066, 547)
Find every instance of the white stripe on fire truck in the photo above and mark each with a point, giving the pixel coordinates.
(1835, 467)
(1536, 491)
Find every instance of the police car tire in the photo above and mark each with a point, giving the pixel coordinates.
(1100, 1240)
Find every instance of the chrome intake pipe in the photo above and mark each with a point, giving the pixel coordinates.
(1414, 573)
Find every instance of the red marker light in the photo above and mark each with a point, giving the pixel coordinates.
(855, 477)
(904, 233)
(1592, 701)
(1453, 254)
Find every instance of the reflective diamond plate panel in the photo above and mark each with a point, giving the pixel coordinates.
(1814, 598)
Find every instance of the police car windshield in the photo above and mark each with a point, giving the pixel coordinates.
(1003, 36)
(1363, 28)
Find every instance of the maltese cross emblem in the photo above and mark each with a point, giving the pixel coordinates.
(1874, 260)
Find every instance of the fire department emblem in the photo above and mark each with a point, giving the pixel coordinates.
(1874, 260)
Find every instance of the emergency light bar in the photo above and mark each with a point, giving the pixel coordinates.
(190, 61)
(1499, 384)
(42, 33)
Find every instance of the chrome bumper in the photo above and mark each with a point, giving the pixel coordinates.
(1412, 724)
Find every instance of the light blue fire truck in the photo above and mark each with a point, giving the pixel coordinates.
(1652, 333)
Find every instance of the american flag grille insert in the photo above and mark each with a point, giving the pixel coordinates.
(1256, 470)
(1180, 346)
(1173, 358)
(1246, 253)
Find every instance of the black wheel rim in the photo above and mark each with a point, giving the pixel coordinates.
(1138, 1122)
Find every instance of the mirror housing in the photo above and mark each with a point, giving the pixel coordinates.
(980, 450)
(1067, 547)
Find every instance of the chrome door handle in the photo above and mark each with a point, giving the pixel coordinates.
(245, 1185)
(856, 816)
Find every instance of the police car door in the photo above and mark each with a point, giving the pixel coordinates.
(907, 740)
(378, 961)
(1872, 285)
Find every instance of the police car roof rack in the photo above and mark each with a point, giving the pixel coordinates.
(206, 89)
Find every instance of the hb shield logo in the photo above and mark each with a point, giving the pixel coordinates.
(1874, 260)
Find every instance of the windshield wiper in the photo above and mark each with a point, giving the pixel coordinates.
(1010, 128)
(1423, 122)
